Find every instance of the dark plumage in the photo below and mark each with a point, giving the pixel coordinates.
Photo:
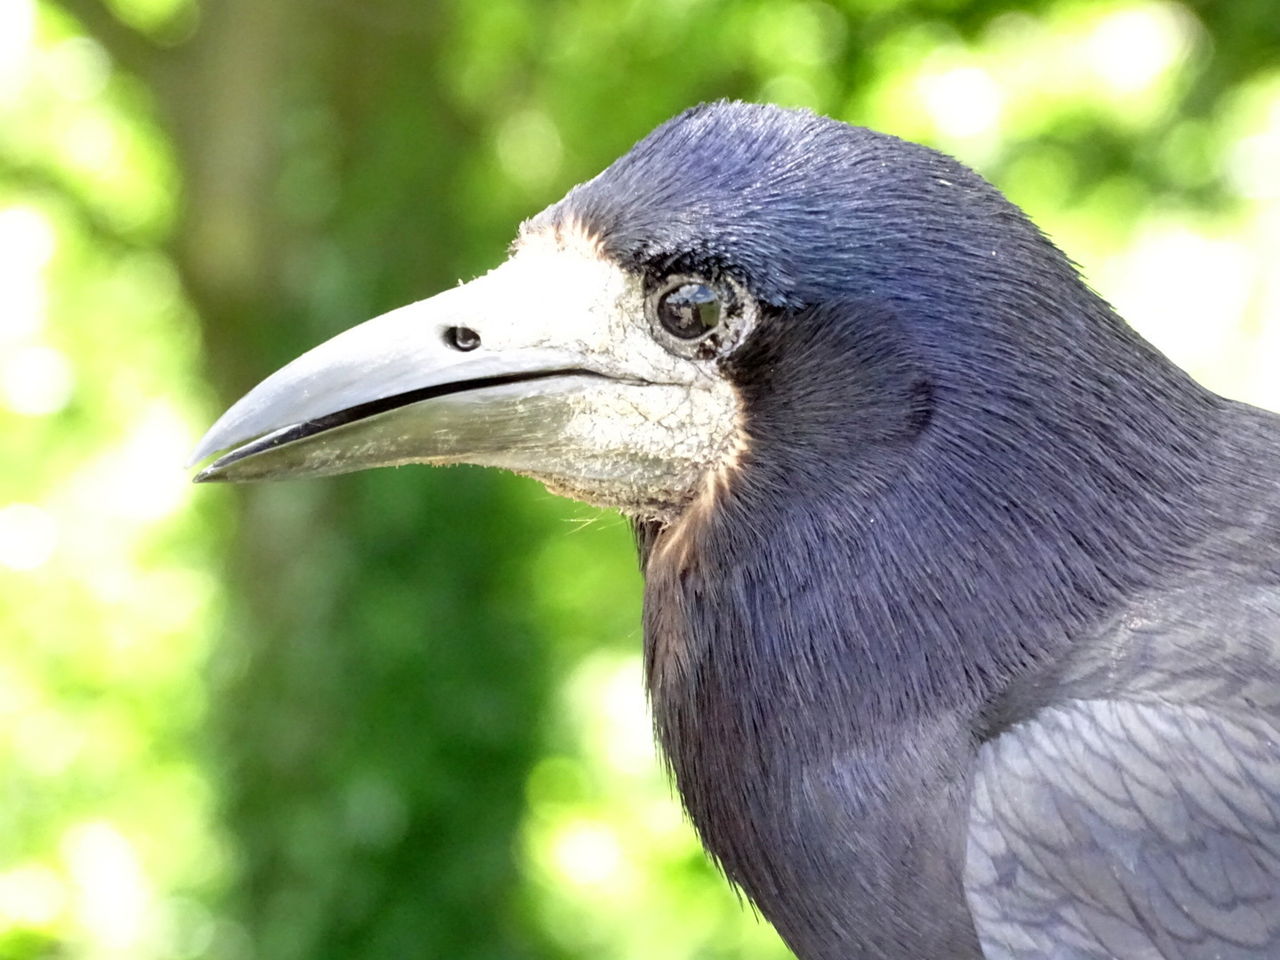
(988, 550)
(970, 649)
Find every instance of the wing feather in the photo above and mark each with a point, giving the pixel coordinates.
(1114, 828)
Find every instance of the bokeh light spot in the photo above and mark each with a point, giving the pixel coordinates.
(32, 895)
(1253, 165)
(790, 90)
(17, 31)
(35, 380)
(90, 143)
(375, 813)
(586, 853)
(1172, 279)
(78, 68)
(111, 888)
(529, 147)
(27, 243)
(141, 479)
(1129, 50)
(47, 741)
(152, 14)
(28, 536)
(963, 101)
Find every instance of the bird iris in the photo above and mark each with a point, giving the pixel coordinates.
(689, 310)
(463, 339)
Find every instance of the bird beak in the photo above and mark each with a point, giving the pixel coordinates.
(545, 366)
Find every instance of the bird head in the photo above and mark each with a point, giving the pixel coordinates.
(744, 277)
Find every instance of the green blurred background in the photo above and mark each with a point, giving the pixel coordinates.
(400, 714)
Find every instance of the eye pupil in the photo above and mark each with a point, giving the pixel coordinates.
(462, 338)
(689, 310)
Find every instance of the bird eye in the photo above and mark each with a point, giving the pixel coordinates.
(462, 338)
(689, 310)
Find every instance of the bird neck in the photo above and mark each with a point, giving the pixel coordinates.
(910, 526)
(892, 554)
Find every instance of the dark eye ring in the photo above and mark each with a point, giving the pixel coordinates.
(689, 310)
(463, 339)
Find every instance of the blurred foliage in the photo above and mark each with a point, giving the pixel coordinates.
(400, 714)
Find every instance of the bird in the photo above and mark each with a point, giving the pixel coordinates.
(962, 601)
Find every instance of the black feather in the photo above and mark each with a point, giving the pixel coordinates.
(964, 473)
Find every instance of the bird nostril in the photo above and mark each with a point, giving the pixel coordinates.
(462, 338)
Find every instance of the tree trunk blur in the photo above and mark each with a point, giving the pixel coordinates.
(377, 692)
